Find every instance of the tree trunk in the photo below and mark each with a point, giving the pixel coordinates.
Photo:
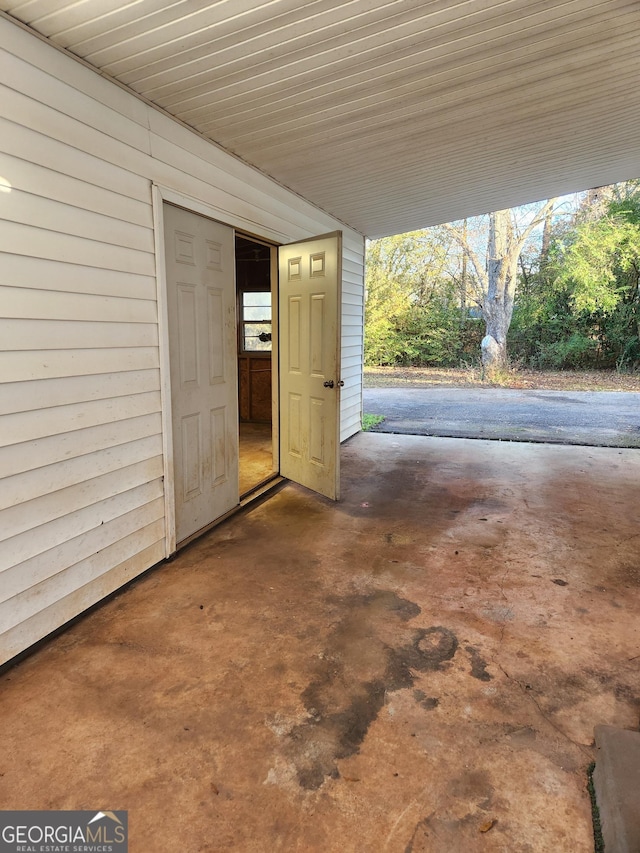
(546, 238)
(497, 306)
(494, 351)
(496, 282)
(463, 285)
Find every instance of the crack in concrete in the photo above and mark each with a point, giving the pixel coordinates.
(526, 691)
(523, 687)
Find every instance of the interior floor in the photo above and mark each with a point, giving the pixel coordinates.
(418, 667)
(256, 455)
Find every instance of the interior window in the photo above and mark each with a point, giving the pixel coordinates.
(256, 321)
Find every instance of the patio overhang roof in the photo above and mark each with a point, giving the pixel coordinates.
(389, 114)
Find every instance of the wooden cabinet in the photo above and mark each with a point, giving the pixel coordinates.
(254, 388)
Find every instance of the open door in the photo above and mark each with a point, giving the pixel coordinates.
(309, 374)
(202, 350)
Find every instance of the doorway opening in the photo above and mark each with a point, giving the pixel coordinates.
(255, 352)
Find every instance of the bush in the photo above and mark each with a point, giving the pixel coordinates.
(575, 351)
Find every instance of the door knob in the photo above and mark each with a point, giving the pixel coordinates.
(329, 384)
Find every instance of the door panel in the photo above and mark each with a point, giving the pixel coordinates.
(309, 306)
(202, 346)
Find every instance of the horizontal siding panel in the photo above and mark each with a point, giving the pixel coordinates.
(81, 547)
(351, 401)
(26, 516)
(37, 147)
(82, 442)
(353, 284)
(38, 482)
(351, 395)
(22, 45)
(226, 207)
(19, 302)
(353, 247)
(72, 102)
(200, 170)
(352, 409)
(43, 623)
(37, 116)
(351, 361)
(46, 393)
(28, 426)
(352, 315)
(47, 536)
(351, 350)
(44, 274)
(351, 372)
(99, 544)
(350, 329)
(40, 181)
(72, 334)
(15, 367)
(349, 298)
(41, 595)
(351, 427)
(60, 217)
(19, 239)
(351, 266)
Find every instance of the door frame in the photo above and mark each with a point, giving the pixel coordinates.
(161, 194)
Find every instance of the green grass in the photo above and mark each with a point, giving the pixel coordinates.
(369, 421)
(595, 813)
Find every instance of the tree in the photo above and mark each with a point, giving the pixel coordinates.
(599, 265)
(496, 279)
(410, 311)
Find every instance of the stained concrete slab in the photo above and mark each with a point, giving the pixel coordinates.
(417, 668)
(616, 780)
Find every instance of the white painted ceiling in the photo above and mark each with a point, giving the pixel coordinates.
(389, 114)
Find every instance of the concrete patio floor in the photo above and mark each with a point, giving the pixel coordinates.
(416, 668)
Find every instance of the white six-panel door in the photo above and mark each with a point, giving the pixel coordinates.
(200, 271)
(309, 316)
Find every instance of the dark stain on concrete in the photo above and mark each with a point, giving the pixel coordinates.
(629, 575)
(434, 833)
(354, 674)
(478, 664)
(473, 786)
(433, 648)
(420, 835)
(427, 702)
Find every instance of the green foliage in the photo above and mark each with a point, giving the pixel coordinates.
(600, 264)
(577, 303)
(412, 312)
(572, 352)
(369, 421)
(582, 308)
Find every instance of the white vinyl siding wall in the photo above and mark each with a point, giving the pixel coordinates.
(81, 467)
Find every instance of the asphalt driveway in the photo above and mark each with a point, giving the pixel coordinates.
(597, 418)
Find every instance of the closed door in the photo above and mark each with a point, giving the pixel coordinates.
(309, 312)
(200, 268)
